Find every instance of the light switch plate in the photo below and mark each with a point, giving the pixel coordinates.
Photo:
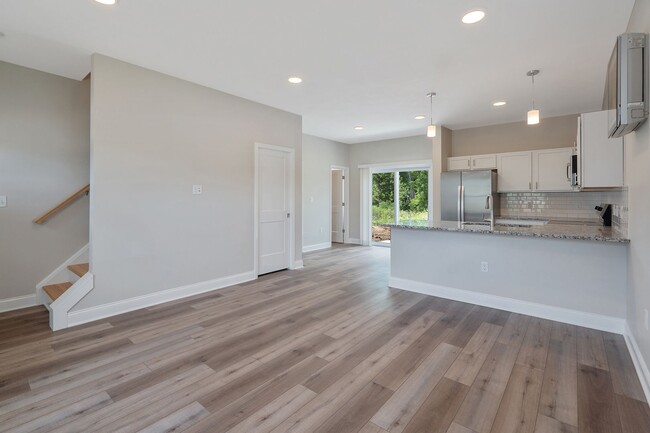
(197, 189)
(3, 201)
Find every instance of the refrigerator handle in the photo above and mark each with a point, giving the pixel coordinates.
(462, 203)
(458, 203)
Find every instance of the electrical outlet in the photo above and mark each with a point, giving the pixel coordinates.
(484, 267)
(197, 189)
(646, 319)
(3, 201)
(321, 230)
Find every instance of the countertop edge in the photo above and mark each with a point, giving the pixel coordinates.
(567, 236)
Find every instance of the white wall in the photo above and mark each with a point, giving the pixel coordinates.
(637, 174)
(318, 155)
(44, 157)
(395, 150)
(154, 136)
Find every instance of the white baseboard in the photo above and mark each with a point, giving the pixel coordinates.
(59, 275)
(17, 303)
(354, 241)
(559, 314)
(639, 362)
(114, 308)
(316, 247)
(298, 264)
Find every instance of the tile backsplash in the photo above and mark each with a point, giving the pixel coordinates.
(564, 205)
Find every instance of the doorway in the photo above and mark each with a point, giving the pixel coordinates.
(394, 193)
(338, 204)
(274, 227)
(399, 196)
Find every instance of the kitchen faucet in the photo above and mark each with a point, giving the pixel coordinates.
(489, 204)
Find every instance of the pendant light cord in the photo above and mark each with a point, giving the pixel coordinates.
(533, 78)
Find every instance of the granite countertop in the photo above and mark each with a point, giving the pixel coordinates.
(554, 229)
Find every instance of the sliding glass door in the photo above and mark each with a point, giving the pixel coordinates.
(398, 196)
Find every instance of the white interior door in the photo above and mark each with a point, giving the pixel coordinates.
(338, 208)
(274, 206)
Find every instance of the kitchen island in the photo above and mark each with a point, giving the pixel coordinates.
(574, 273)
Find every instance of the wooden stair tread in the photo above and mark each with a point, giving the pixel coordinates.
(80, 269)
(56, 290)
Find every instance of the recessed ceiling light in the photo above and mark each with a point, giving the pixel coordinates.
(499, 103)
(295, 80)
(106, 2)
(420, 117)
(358, 128)
(474, 16)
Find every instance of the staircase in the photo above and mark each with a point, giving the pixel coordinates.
(61, 297)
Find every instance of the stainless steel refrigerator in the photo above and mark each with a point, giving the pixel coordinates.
(465, 195)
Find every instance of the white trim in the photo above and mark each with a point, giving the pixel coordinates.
(355, 241)
(403, 165)
(316, 247)
(298, 264)
(114, 308)
(639, 362)
(62, 269)
(17, 303)
(292, 205)
(365, 206)
(346, 200)
(60, 308)
(558, 314)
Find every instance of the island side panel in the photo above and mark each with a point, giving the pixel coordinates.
(580, 275)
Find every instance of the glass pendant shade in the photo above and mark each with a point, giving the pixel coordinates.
(431, 131)
(533, 117)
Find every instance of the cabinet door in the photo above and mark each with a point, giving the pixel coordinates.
(601, 158)
(514, 171)
(551, 169)
(484, 162)
(456, 163)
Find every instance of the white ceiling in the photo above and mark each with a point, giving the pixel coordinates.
(364, 62)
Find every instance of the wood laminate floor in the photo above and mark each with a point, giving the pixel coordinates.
(328, 348)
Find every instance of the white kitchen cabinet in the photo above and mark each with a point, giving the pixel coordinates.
(483, 162)
(515, 171)
(477, 162)
(600, 157)
(551, 170)
(456, 163)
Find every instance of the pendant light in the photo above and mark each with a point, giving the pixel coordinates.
(533, 114)
(431, 129)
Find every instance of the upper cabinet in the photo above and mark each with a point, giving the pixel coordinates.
(546, 170)
(552, 169)
(478, 162)
(514, 171)
(483, 162)
(601, 158)
(457, 163)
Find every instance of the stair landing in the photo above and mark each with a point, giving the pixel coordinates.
(56, 290)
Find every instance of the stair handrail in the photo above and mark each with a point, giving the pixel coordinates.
(59, 207)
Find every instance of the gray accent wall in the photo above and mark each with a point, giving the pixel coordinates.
(44, 157)
(637, 175)
(154, 136)
(318, 155)
(551, 133)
